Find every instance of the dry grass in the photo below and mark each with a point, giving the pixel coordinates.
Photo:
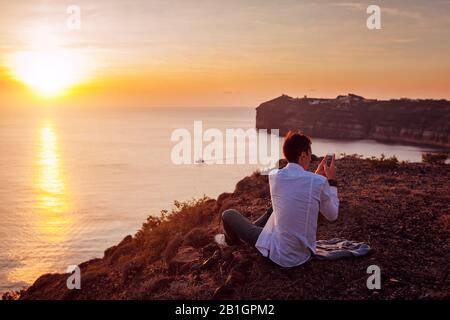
(157, 232)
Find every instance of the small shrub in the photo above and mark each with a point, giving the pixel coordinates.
(351, 156)
(434, 158)
(156, 233)
(383, 162)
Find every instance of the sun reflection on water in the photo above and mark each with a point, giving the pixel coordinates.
(50, 183)
(51, 220)
(52, 202)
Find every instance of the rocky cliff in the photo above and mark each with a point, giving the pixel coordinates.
(425, 122)
(400, 209)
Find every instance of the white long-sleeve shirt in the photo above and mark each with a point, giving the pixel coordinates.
(297, 195)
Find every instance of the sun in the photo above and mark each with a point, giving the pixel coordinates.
(48, 73)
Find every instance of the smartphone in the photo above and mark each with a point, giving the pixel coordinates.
(329, 158)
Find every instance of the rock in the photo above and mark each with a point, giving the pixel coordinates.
(184, 268)
(210, 248)
(186, 255)
(125, 240)
(244, 267)
(222, 292)
(227, 254)
(108, 252)
(235, 278)
(183, 259)
(91, 262)
(172, 248)
(152, 286)
(125, 249)
(197, 238)
(131, 269)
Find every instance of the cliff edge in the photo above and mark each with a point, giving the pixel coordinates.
(413, 121)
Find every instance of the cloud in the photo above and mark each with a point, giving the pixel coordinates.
(351, 5)
(396, 12)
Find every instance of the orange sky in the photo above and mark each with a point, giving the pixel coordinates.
(230, 53)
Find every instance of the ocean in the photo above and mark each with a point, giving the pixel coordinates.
(75, 182)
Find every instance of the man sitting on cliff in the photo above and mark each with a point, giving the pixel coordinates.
(287, 234)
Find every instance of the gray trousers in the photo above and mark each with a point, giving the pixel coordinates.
(238, 228)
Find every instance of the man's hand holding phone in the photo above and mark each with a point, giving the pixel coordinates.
(329, 167)
(320, 170)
